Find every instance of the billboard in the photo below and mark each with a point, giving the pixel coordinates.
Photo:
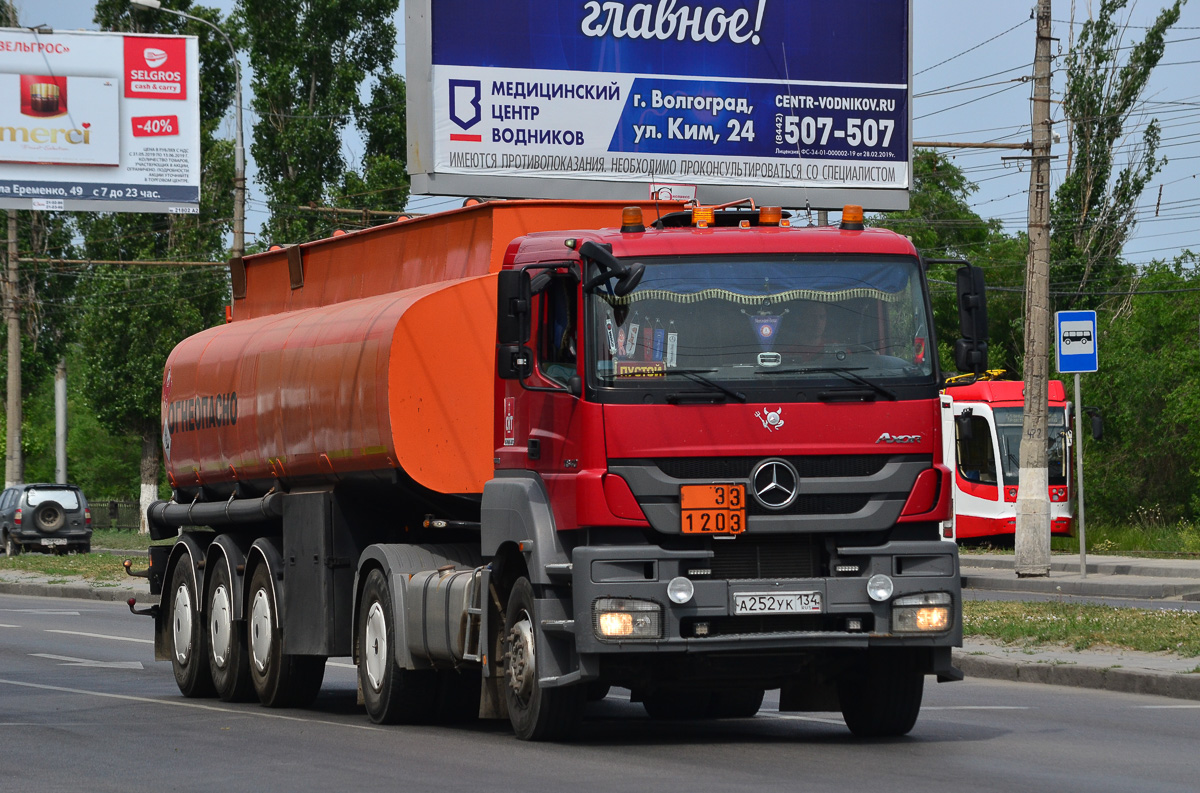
(102, 122)
(791, 101)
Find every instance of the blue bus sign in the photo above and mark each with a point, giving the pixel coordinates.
(1075, 332)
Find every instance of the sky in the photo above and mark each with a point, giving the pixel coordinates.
(968, 60)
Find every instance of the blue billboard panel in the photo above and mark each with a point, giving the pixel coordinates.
(774, 93)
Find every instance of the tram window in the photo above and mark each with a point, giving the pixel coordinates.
(976, 455)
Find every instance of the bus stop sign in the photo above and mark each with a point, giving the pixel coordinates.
(1075, 332)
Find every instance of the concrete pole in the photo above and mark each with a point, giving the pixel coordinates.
(60, 422)
(1033, 499)
(14, 468)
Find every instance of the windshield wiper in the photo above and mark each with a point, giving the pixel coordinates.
(845, 372)
(696, 376)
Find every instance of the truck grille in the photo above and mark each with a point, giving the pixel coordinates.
(830, 465)
(767, 557)
(837, 504)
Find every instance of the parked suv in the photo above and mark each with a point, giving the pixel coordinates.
(45, 517)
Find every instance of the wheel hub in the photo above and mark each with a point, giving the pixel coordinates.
(182, 624)
(221, 626)
(375, 645)
(260, 630)
(519, 662)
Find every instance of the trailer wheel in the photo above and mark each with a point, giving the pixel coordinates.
(392, 695)
(279, 680)
(881, 698)
(228, 661)
(189, 640)
(536, 713)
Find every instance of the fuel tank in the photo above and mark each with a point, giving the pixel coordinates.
(368, 355)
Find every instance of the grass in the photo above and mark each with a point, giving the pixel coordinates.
(1082, 626)
(124, 540)
(93, 566)
(1153, 540)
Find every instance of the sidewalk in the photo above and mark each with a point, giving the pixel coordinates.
(1157, 582)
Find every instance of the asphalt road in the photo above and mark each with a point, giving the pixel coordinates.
(84, 707)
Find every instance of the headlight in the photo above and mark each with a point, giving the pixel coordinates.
(923, 613)
(622, 618)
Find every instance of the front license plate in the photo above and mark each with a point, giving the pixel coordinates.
(54, 541)
(777, 603)
(713, 509)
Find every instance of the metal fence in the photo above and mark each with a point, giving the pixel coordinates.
(115, 515)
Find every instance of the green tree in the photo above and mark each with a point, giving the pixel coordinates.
(131, 316)
(1093, 212)
(1149, 394)
(942, 224)
(310, 60)
(383, 182)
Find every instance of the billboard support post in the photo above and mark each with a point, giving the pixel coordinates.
(13, 473)
(239, 151)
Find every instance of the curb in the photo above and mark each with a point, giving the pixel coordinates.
(77, 591)
(1128, 681)
(1101, 587)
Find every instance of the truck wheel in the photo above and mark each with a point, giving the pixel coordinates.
(392, 695)
(189, 640)
(280, 680)
(536, 713)
(882, 698)
(228, 660)
(737, 703)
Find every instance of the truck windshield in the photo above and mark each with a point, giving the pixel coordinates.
(1009, 423)
(753, 323)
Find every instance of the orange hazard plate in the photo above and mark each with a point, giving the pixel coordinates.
(713, 509)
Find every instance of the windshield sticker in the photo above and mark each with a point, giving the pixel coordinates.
(764, 329)
(672, 346)
(660, 337)
(631, 340)
(640, 369)
(612, 338)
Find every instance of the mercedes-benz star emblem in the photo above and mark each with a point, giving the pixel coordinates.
(775, 483)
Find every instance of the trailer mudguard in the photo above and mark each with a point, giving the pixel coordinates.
(188, 550)
(229, 550)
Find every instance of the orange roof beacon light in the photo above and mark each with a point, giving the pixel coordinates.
(852, 218)
(631, 220)
(703, 217)
(770, 216)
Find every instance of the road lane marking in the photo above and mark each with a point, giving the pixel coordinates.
(340, 665)
(101, 636)
(262, 714)
(1168, 707)
(69, 661)
(43, 611)
(2, 625)
(792, 717)
(976, 707)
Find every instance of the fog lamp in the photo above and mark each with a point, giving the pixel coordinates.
(623, 618)
(680, 590)
(879, 587)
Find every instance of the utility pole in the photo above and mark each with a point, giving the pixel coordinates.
(14, 468)
(60, 422)
(1033, 500)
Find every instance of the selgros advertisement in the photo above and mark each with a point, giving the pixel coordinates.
(99, 122)
(778, 94)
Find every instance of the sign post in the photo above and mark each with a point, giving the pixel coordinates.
(1075, 334)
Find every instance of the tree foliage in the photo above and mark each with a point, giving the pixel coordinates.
(310, 59)
(1094, 209)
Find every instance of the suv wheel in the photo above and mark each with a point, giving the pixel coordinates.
(11, 547)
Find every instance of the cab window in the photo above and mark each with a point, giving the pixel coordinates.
(557, 343)
(976, 456)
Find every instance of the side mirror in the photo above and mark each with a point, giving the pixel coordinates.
(963, 424)
(514, 298)
(628, 282)
(1097, 422)
(970, 351)
(514, 362)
